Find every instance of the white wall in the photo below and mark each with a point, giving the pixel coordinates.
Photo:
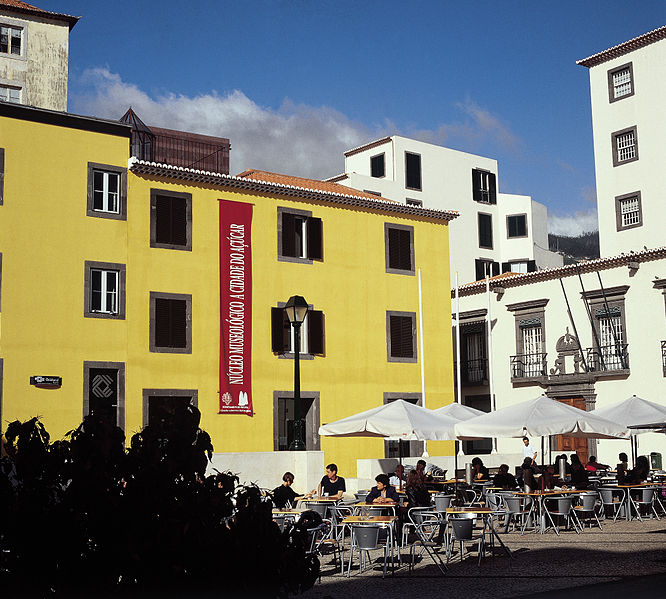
(647, 174)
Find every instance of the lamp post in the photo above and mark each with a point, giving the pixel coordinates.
(297, 308)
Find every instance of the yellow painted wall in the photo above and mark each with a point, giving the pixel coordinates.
(45, 237)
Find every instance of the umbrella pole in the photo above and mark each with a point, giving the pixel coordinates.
(455, 469)
(550, 451)
(400, 453)
(543, 461)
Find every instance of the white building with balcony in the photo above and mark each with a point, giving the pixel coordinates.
(627, 90)
(495, 231)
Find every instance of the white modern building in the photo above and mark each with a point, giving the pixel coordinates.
(627, 89)
(590, 341)
(495, 231)
(34, 51)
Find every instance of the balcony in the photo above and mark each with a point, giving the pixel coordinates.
(474, 372)
(528, 366)
(608, 358)
(663, 356)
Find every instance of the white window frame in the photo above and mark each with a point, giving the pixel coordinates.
(621, 82)
(108, 297)
(6, 94)
(630, 211)
(304, 337)
(301, 236)
(106, 194)
(10, 29)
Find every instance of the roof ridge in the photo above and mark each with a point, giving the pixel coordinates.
(625, 47)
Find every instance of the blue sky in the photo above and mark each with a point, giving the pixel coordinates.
(294, 84)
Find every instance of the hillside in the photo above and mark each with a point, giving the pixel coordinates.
(582, 247)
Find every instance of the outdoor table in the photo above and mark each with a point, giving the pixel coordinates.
(358, 507)
(538, 499)
(626, 489)
(387, 522)
(287, 511)
(485, 513)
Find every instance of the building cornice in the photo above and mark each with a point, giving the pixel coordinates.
(529, 305)
(186, 174)
(624, 48)
(27, 9)
(368, 146)
(608, 292)
(560, 272)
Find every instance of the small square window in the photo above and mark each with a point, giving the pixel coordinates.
(483, 267)
(628, 211)
(170, 322)
(516, 225)
(170, 220)
(378, 166)
(484, 186)
(485, 231)
(413, 202)
(283, 334)
(412, 171)
(10, 94)
(625, 146)
(399, 248)
(401, 336)
(621, 82)
(104, 292)
(10, 40)
(107, 191)
(299, 236)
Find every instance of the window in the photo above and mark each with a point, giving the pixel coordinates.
(170, 220)
(378, 166)
(107, 191)
(628, 211)
(621, 82)
(283, 419)
(530, 358)
(412, 171)
(168, 409)
(10, 40)
(484, 186)
(299, 236)
(399, 248)
(485, 231)
(520, 266)
(283, 335)
(401, 336)
(478, 446)
(609, 351)
(104, 285)
(374, 193)
(170, 323)
(516, 225)
(481, 267)
(473, 352)
(10, 94)
(104, 392)
(625, 146)
(413, 202)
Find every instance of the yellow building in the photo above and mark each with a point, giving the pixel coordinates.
(116, 278)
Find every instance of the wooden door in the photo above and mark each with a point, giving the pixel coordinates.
(567, 444)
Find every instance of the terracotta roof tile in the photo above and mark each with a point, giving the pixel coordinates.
(625, 47)
(24, 7)
(309, 184)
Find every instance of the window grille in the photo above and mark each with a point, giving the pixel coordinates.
(630, 211)
(622, 82)
(532, 348)
(626, 146)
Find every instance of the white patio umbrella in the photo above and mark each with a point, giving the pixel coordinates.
(637, 411)
(398, 420)
(458, 411)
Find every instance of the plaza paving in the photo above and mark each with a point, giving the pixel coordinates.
(625, 559)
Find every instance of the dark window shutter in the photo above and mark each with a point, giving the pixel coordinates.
(476, 185)
(316, 332)
(480, 267)
(163, 219)
(400, 249)
(413, 168)
(495, 269)
(279, 332)
(288, 234)
(485, 231)
(377, 166)
(162, 323)
(531, 266)
(170, 323)
(315, 249)
(179, 221)
(178, 323)
(492, 188)
(402, 342)
(506, 267)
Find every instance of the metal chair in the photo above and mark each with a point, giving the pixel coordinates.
(609, 501)
(518, 508)
(644, 498)
(442, 502)
(425, 524)
(365, 538)
(317, 506)
(462, 531)
(588, 506)
(562, 507)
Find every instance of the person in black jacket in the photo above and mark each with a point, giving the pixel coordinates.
(417, 494)
(383, 492)
(504, 479)
(284, 495)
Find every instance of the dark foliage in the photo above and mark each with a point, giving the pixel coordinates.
(84, 517)
(582, 247)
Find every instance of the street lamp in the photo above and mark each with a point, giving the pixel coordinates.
(296, 309)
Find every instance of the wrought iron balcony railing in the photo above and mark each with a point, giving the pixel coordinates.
(608, 358)
(528, 365)
(474, 371)
(663, 356)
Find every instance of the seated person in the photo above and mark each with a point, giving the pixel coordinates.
(383, 492)
(579, 477)
(479, 471)
(548, 478)
(592, 465)
(640, 472)
(504, 479)
(331, 485)
(284, 495)
(417, 494)
(622, 468)
(529, 469)
(398, 478)
(567, 466)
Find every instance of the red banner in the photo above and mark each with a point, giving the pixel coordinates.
(235, 308)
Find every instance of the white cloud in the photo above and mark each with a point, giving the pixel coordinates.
(295, 139)
(572, 226)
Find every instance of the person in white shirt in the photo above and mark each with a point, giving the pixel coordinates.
(528, 450)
